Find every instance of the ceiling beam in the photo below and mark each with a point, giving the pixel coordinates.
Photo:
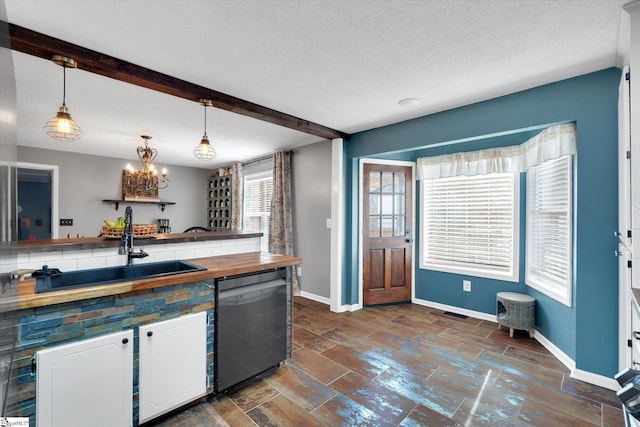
(43, 46)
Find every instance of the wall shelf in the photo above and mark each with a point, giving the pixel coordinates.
(160, 203)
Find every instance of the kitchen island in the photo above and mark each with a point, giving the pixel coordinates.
(57, 318)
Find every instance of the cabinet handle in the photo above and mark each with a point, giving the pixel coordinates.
(636, 335)
(125, 340)
(149, 333)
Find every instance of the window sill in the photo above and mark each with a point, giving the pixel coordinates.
(473, 272)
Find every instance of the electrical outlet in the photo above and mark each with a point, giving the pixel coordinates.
(66, 221)
(299, 271)
(466, 285)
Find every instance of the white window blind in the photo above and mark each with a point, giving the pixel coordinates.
(258, 188)
(549, 250)
(470, 225)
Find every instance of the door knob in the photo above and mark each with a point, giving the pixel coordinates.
(149, 333)
(408, 240)
(125, 340)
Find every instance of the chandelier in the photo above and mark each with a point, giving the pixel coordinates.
(143, 183)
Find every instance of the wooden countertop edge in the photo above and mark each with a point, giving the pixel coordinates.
(217, 267)
(85, 243)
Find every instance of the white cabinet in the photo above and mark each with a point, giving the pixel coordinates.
(172, 364)
(86, 383)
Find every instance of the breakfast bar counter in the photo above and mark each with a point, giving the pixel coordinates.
(85, 243)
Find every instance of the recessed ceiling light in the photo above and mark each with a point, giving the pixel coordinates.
(409, 102)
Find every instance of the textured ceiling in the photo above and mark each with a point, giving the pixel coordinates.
(343, 64)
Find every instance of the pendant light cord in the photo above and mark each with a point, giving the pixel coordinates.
(64, 84)
(205, 118)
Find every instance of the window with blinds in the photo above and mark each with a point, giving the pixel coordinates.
(549, 249)
(470, 225)
(256, 204)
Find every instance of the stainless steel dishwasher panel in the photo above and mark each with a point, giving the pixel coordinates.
(251, 326)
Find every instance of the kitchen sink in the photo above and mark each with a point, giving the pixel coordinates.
(51, 279)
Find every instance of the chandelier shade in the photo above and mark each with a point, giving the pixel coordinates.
(204, 150)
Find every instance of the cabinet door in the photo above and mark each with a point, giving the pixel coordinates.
(173, 364)
(86, 383)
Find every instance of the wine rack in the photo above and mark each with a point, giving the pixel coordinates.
(219, 202)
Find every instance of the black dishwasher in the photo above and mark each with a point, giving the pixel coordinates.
(251, 326)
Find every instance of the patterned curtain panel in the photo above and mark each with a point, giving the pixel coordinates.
(281, 222)
(237, 191)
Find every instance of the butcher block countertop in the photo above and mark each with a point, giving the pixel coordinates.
(216, 267)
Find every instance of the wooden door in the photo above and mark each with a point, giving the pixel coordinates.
(387, 237)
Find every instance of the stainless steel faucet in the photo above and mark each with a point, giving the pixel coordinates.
(126, 242)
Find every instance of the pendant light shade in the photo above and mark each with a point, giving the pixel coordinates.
(204, 150)
(62, 127)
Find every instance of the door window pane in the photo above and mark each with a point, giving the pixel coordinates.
(398, 225)
(374, 226)
(374, 204)
(398, 182)
(387, 182)
(387, 226)
(387, 204)
(374, 182)
(399, 201)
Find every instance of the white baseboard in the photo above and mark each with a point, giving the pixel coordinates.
(555, 351)
(578, 374)
(452, 308)
(315, 297)
(327, 301)
(595, 379)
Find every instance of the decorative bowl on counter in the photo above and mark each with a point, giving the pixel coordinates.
(139, 231)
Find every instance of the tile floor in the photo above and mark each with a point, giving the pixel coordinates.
(408, 365)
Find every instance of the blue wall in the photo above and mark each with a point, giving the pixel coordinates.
(587, 331)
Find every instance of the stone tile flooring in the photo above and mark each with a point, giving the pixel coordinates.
(408, 365)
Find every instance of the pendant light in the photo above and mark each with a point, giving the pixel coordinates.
(204, 150)
(62, 127)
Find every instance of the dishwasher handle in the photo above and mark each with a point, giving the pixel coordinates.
(243, 290)
(250, 279)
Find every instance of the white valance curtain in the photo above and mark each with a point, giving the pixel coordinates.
(552, 143)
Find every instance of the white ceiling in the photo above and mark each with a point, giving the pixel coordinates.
(343, 64)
